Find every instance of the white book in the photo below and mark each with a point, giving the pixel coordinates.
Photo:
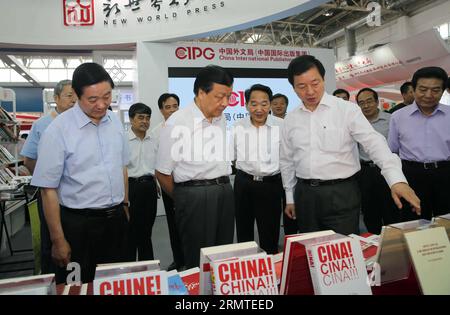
(337, 266)
(249, 275)
(221, 252)
(107, 270)
(137, 283)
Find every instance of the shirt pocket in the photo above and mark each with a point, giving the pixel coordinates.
(331, 140)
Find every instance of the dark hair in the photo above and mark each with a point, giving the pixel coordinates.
(448, 83)
(430, 73)
(258, 87)
(209, 75)
(281, 95)
(342, 91)
(375, 94)
(301, 64)
(405, 86)
(139, 108)
(164, 97)
(87, 74)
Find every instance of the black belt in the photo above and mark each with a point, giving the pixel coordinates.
(255, 178)
(367, 163)
(206, 182)
(145, 178)
(319, 182)
(110, 212)
(426, 166)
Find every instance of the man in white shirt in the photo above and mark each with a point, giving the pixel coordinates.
(258, 190)
(193, 166)
(319, 155)
(169, 103)
(142, 186)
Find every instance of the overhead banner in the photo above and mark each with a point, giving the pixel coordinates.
(242, 55)
(87, 22)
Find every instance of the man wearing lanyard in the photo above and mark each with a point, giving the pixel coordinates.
(193, 166)
(420, 134)
(142, 185)
(65, 98)
(258, 190)
(82, 173)
(319, 155)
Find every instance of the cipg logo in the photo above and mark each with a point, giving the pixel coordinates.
(237, 98)
(78, 12)
(374, 18)
(193, 53)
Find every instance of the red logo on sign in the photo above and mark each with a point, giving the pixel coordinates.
(237, 98)
(193, 53)
(78, 12)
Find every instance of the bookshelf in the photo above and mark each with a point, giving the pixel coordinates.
(12, 185)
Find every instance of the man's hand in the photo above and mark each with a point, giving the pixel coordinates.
(402, 190)
(290, 211)
(61, 252)
(126, 209)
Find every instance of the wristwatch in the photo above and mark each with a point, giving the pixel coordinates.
(126, 203)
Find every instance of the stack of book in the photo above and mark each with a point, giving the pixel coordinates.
(295, 276)
(134, 278)
(5, 156)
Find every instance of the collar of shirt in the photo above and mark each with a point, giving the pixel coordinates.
(415, 109)
(132, 135)
(197, 113)
(327, 100)
(381, 116)
(82, 119)
(269, 121)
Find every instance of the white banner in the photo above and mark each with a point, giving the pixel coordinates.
(98, 22)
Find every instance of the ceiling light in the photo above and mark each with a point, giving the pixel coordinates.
(13, 65)
(328, 13)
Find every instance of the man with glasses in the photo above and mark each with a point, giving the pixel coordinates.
(65, 98)
(376, 203)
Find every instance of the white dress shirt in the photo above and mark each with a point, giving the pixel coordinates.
(155, 132)
(142, 155)
(256, 150)
(323, 144)
(192, 148)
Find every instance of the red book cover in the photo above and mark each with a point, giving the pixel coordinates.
(295, 278)
(191, 279)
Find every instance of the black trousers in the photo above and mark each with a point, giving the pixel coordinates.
(47, 264)
(204, 217)
(289, 225)
(175, 241)
(328, 207)
(93, 240)
(432, 186)
(261, 201)
(143, 205)
(377, 205)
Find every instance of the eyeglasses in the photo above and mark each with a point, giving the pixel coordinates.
(366, 102)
